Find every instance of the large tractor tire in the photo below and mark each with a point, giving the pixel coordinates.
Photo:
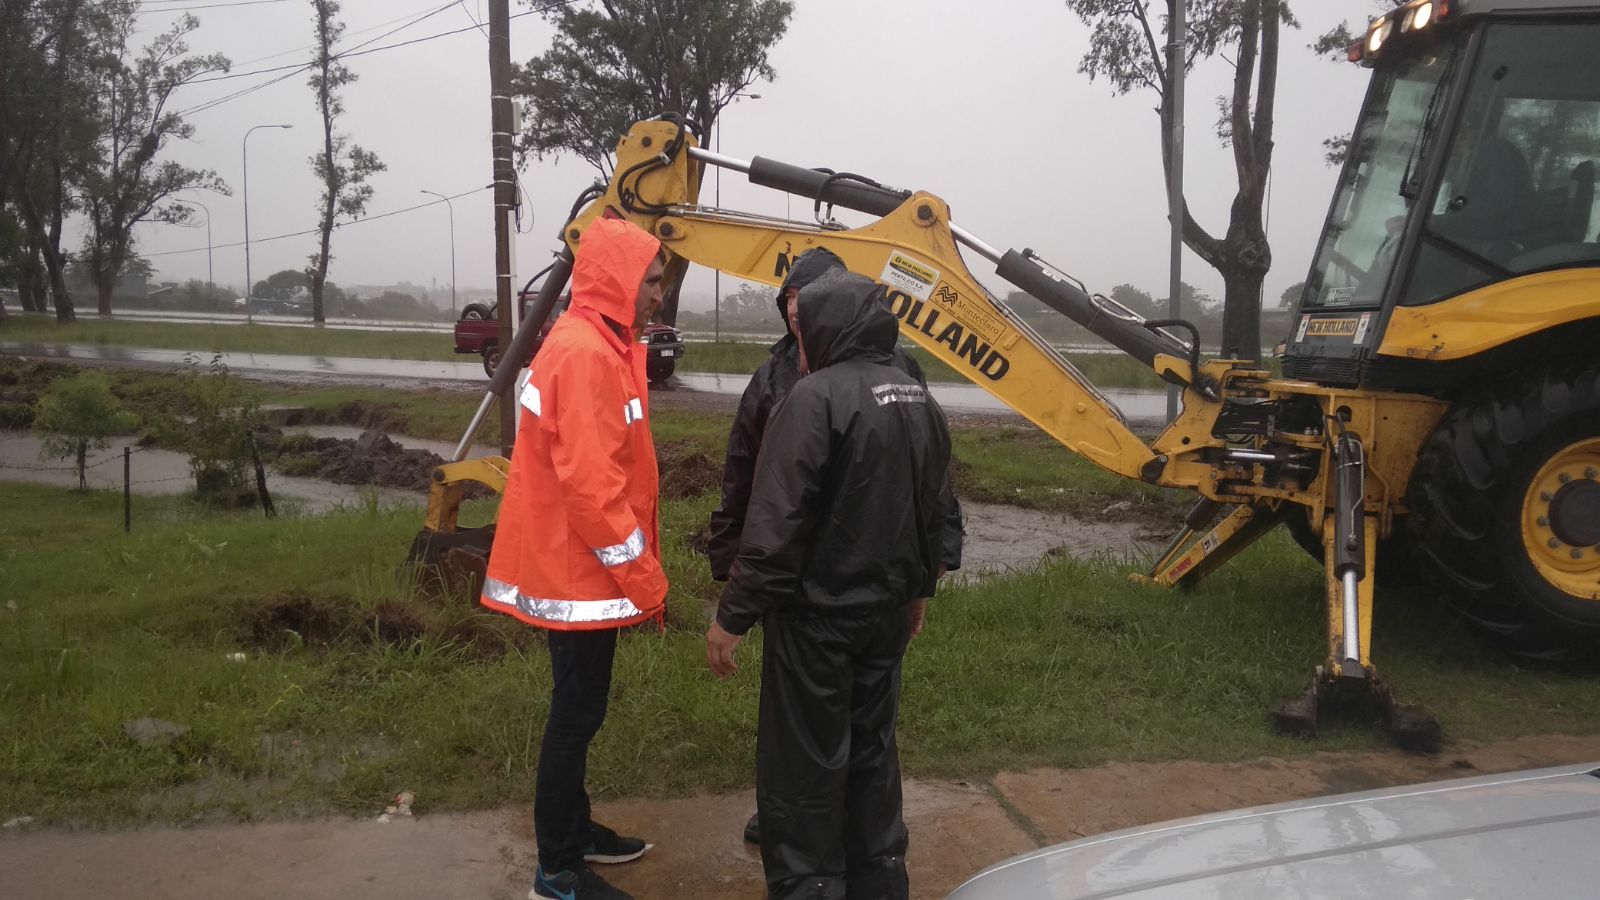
(1505, 510)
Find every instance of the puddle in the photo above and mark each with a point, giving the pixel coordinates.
(155, 472)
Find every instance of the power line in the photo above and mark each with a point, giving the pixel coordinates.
(358, 50)
(336, 226)
(346, 54)
(52, 7)
(295, 70)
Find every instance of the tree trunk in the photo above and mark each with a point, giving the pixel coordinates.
(65, 311)
(103, 291)
(330, 173)
(28, 285)
(83, 452)
(1241, 312)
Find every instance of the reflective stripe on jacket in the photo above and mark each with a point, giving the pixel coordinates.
(576, 544)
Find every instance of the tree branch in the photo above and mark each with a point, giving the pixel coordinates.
(1244, 149)
(1137, 10)
(1267, 89)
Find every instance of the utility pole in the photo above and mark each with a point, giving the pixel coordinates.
(1175, 66)
(505, 195)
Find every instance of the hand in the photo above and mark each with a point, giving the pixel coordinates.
(918, 610)
(719, 650)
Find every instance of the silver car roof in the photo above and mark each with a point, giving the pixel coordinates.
(1527, 835)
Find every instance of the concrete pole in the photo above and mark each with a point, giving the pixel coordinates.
(1175, 67)
(505, 196)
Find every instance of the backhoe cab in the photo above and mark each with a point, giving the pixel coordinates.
(1443, 398)
(1461, 260)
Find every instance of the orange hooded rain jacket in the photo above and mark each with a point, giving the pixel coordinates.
(576, 544)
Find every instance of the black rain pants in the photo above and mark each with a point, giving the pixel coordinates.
(827, 768)
(580, 685)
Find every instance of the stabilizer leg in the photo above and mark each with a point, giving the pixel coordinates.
(1238, 530)
(1347, 684)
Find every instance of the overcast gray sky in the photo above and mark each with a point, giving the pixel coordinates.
(980, 103)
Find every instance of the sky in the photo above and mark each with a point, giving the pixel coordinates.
(979, 103)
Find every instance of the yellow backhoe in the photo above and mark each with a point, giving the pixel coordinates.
(1440, 405)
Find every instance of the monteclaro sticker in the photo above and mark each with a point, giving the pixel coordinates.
(1333, 327)
(1361, 327)
(905, 273)
(1300, 334)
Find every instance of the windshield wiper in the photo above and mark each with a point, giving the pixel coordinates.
(1411, 181)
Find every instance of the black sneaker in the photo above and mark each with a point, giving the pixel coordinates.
(578, 884)
(752, 830)
(609, 848)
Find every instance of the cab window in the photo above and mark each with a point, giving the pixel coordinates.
(1518, 191)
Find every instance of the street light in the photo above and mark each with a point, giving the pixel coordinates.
(450, 206)
(209, 279)
(249, 312)
(716, 290)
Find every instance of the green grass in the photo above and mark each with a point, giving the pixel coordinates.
(1067, 665)
(233, 338)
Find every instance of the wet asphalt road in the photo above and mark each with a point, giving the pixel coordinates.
(1139, 406)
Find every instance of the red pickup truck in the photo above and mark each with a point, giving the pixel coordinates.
(478, 332)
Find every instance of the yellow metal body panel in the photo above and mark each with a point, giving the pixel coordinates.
(1490, 317)
(1237, 530)
(449, 486)
(941, 307)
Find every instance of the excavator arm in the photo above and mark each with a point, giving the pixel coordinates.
(1265, 448)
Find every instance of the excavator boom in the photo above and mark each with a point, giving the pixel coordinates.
(1262, 446)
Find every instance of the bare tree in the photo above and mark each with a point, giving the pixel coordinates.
(128, 183)
(342, 167)
(1125, 49)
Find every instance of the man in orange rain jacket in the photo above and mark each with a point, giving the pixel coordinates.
(576, 550)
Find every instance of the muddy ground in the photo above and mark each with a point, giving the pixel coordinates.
(957, 828)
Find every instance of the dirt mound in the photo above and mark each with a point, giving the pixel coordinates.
(686, 470)
(296, 620)
(372, 458)
(367, 414)
(291, 620)
(21, 383)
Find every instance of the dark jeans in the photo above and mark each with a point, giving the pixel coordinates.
(827, 768)
(580, 669)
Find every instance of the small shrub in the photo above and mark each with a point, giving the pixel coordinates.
(222, 413)
(78, 414)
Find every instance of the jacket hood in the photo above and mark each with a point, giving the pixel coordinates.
(612, 258)
(807, 267)
(843, 316)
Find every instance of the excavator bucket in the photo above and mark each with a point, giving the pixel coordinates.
(447, 559)
(444, 557)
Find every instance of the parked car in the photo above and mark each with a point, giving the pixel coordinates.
(1529, 835)
(478, 332)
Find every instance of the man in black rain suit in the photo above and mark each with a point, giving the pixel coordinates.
(770, 384)
(840, 550)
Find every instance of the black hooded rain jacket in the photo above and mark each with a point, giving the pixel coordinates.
(851, 498)
(770, 384)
